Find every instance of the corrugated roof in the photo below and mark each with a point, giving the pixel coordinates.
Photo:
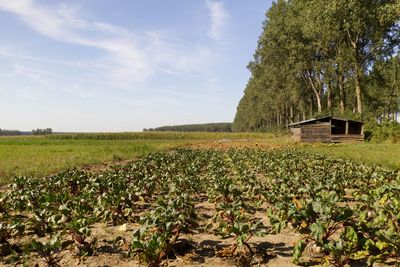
(321, 118)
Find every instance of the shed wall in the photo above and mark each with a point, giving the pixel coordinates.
(347, 138)
(314, 133)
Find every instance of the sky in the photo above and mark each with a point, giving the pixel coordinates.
(124, 65)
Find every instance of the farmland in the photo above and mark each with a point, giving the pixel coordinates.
(240, 205)
(44, 155)
(224, 182)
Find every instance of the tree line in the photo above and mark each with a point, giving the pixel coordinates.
(324, 57)
(4, 132)
(206, 127)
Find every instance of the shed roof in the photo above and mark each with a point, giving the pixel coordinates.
(320, 119)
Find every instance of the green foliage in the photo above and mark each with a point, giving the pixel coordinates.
(50, 250)
(80, 232)
(387, 130)
(383, 89)
(150, 245)
(233, 220)
(9, 229)
(315, 57)
(161, 227)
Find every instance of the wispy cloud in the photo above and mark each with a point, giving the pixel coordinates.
(218, 16)
(127, 57)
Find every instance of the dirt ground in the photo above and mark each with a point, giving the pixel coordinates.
(196, 249)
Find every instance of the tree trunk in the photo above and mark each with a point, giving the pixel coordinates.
(392, 107)
(311, 107)
(316, 93)
(319, 105)
(329, 98)
(358, 90)
(277, 118)
(291, 114)
(341, 93)
(357, 69)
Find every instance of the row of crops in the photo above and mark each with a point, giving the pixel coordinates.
(345, 212)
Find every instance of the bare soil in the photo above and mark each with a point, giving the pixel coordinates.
(195, 249)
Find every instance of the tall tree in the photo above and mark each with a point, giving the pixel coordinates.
(314, 57)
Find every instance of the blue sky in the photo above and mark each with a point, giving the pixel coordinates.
(124, 65)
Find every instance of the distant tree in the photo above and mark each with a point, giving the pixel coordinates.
(42, 131)
(10, 132)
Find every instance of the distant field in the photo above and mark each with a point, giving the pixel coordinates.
(43, 155)
(158, 135)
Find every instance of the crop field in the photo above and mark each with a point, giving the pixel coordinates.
(45, 155)
(238, 206)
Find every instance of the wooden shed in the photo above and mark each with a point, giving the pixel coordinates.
(328, 129)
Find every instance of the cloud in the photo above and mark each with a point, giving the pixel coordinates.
(218, 16)
(127, 58)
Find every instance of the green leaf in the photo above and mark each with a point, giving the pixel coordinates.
(298, 251)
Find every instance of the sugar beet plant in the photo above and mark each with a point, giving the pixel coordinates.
(234, 218)
(344, 212)
(161, 228)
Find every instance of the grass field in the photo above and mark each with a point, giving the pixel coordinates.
(387, 155)
(37, 157)
(44, 155)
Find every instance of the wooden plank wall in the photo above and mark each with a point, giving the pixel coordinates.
(347, 138)
(316, 133)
